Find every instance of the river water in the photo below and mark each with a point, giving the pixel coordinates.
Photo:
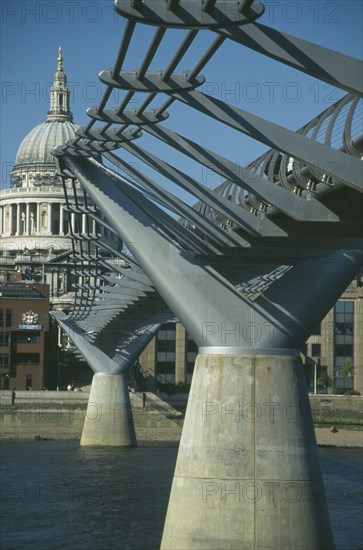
(58, 495)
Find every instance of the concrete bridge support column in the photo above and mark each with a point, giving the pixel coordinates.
(247, 474)
(109, 418)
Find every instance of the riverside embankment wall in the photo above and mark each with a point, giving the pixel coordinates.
(61, 414)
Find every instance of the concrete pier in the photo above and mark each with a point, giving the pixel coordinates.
(109, 420)
(247, 474)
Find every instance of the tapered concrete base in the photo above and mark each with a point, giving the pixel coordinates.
(247, 474)
(109, 419)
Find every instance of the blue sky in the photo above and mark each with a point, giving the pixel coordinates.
(89, 33)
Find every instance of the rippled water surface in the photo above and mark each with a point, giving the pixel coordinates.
(58, 495)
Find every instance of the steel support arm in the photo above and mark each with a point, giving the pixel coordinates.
(252, 224)
(327, 65)
(98, 360)
(289, 203)
(330, 161)
(321, 280)
(212, 310)
(180, 279)
(185, 211)
(190, 240)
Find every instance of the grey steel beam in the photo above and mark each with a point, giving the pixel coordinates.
(125, 42)
(124, 284)
(104, 136)
(102, 306)
(110, 293)
(130, 284)
(303, 178)
(244, 6)
(124, 45)
(80, 209)
(213, 232)
(126, 117)
(289, 203)
(152, 82)
(150, 54)
(232, 367)
(333, 162)
(93, 215)
(97, 242)
(190, 240)
(333, 67)
(77, 148)
(105, 292)
(122, 291)
(187, 14)
(165, 263)
(191, 288)
(98, 360)
(179, 54)
(252, 224)
(84, 237)
(208, 54)
(138, 276)
(81, 255)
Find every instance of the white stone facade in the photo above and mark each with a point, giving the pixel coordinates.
(34, 222)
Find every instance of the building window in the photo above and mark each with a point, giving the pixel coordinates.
(28, 338)
(164, 357)
(167, 332)
(29, 381)
(316, 331)
(344, 350)
(60, 283)
(344, 335)
(44, 218)
(4, 338)
(1, 317)
(343, 329)
(4, 361)
(28, 358)
(8, 318)
(315, 350)
(165, 345)
(344, 306)
(164, 369)
(165, 354)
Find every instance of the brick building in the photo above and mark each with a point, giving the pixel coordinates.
(24, 332)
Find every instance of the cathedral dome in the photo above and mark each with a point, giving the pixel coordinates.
(34, 163)
(36, 147)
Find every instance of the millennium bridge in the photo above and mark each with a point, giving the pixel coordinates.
(250, 268)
